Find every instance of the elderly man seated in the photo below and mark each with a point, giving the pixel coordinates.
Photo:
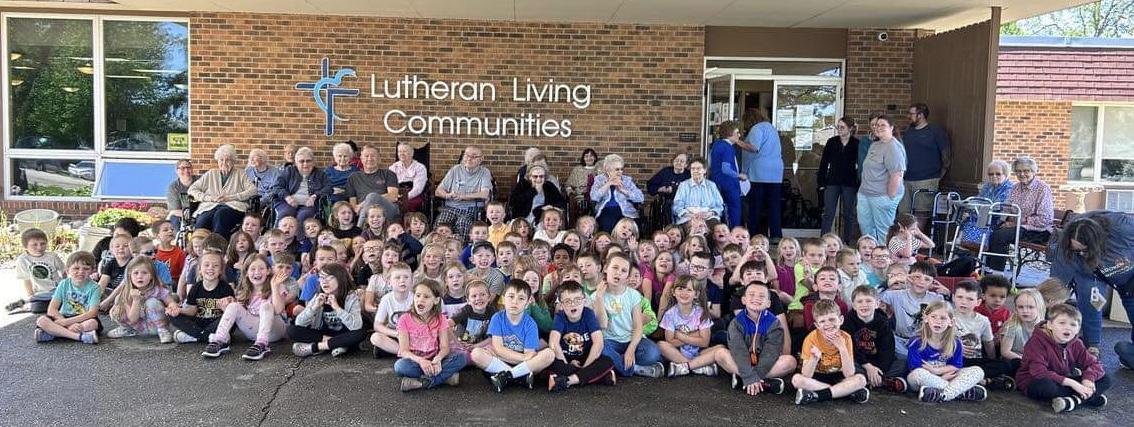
(373, 185)
(300, 188)
(262, 174)
(465, 188)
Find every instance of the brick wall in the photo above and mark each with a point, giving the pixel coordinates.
(1040, 129)
(646, 85)
(879, 74)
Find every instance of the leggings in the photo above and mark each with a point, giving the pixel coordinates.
(195, 326)
(344, 338)
(264, 326)
(966, 378)
(589, 374)
(149, 324)
(1045, 389)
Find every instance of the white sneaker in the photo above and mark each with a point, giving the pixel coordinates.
(122, 332)
(709, 370)
(183, 338)
(677, 369)
(164, 336)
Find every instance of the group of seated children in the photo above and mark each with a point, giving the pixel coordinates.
(581, 307)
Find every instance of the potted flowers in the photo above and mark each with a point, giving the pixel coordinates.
(99, 225)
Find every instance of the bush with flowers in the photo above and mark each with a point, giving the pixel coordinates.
(109, 214)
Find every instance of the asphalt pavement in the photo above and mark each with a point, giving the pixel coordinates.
(137, 381)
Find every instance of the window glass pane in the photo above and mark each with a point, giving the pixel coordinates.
(1084, 122)
(1118, 144)
(784, 68)
(51, 82)
(147, 86)
(120, 179)
(52, 177)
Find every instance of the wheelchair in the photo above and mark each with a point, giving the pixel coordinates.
(189, 207)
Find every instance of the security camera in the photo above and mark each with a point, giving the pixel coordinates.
(883, 36)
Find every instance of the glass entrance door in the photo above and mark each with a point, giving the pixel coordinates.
(720, 105)
(805, 114)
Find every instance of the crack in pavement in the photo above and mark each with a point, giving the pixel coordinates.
(267, 408)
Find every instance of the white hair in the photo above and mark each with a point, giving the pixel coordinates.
(1026, 161)
(342, 148)
(1000, 164)
(611, 160)
(304, 152)
(530, 154)
(226, 151)
(257, 152)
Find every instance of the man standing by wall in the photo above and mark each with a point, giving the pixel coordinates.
(928, 154)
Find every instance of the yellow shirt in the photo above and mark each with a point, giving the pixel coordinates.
(496, 233)
(829, 360)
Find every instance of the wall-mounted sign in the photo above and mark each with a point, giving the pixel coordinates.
(397, 121)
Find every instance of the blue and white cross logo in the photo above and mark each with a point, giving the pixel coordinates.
(330, 86)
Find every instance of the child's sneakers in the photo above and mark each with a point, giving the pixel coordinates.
(1097, 401)
(773, 385)
(677, 369)
(804, 397)
(302, 349)
(42, 335)
(256, 352)
(411, 384)
(931, 395)
(338, 351)
(1065, 404)
(90, 337)
(454, 380)
(164, 336)
(656, 370)
(122, 332)
(1002, 382)
(1125, 351)
(894, 384)
(15, 305)
(215, 349)
(861, 396)
(555, 385)
(183, 338)
(709, 370)
(610, 378)
(499, 380)
(976, 394)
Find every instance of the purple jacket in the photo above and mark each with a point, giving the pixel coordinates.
(1046, 359)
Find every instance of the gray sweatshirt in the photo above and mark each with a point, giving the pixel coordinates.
(769, 348)
(350, 314)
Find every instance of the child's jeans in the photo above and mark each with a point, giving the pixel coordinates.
(1045, 389)
(966, 378)
(646, 354)
(149, 324)
(450, 365)
(263, 327)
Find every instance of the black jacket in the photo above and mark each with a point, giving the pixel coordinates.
(839, 164)
(520, 202)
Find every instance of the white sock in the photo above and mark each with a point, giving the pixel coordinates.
(519, 371)
(496, 365)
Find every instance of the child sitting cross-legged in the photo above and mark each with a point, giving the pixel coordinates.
(332, 318)
(1030, 309)
(423, 340)
(514, 353)
(140, 308)
(977, 341)
(756, 336)
(828, 370)
(687, 327)
(935, 359)
(73, 310)
(470, 324)
(874, 341)
(258, 312)
(619, 312)
(1057, 366)
(577, 341)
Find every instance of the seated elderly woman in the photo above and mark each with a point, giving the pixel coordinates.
(262, 174)
(413, 172)
(665, 182)
(581, 174)
(373, 185)
(697, 197)
(530, 195)
(465, 188)
(341, 154)
(300, 187)
(223, 193)
(614, 194)
(995, 189)
(1037, 214)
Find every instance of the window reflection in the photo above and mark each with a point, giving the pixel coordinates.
(51, 84)
(147, 92)
(52, 177)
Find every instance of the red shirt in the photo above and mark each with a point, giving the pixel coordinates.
(175, 258)
(995, 317)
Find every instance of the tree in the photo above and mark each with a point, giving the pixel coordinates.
(1105, 18)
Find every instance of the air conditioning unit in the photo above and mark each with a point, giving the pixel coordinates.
(1120, 200)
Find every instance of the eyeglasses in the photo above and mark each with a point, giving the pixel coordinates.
(1022, 171)
(303, 160)
(571, 302)
(538, 176)
(695, 267)
(148, 253)
(995, 174)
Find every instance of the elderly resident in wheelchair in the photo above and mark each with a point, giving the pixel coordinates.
(373, 185)
(465, 188)
(223, 193)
